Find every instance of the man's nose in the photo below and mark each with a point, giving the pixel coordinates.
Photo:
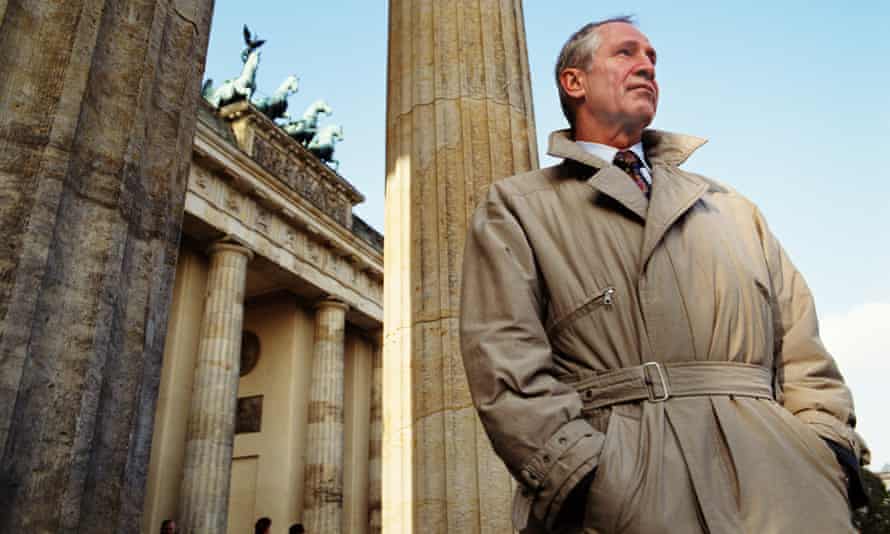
(646, 69)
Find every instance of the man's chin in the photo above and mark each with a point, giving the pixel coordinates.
(639, 122)
(644, 117)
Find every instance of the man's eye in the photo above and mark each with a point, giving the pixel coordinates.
(624, 52)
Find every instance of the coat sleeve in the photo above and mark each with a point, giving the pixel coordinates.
(809, 383)
(532, 419)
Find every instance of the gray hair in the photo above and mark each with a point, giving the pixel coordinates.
(578, 53)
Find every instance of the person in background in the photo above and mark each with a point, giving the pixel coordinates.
(296, 528)
(168, 526)
(262, 526)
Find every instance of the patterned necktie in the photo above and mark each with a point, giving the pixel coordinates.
(627, 161)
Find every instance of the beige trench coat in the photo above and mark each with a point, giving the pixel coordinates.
(570, 272)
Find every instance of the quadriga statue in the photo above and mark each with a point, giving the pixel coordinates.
(304, 129)
(322, 145)
(242, 87)
(275, 106)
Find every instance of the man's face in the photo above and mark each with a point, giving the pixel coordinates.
(619, 88)
(170, 528)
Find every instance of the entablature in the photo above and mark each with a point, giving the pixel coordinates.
(236, 196)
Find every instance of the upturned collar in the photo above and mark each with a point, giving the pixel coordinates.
(661, 147)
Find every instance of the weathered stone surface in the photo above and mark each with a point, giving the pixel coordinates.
(459, 116)
(292, 163)
(323, 475)
(97, 113)
(367, 233)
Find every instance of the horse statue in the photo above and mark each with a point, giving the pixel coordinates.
(303, 130)
(275, 106)
(242, 87)
(322, 145)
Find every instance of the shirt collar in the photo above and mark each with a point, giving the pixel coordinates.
(607, 153)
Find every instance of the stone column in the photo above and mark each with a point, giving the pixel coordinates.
(323, 493)
(376, 434)
(204, 499)
(97, 114)
(459, 115)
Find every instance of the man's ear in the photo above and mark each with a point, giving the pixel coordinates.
(572, 81)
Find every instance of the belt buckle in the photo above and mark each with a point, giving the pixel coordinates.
(650, 389)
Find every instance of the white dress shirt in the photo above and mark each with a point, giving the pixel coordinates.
(607, 153)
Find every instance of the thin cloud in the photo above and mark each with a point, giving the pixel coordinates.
(860, 342)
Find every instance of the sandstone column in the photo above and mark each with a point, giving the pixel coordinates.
(323, 494)
(97, 114)
(459, 115)
(211, 427)
(376, 434)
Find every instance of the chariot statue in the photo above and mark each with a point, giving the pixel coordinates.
(304, 129)
(322, 145)
(275, 106)
(242, 87)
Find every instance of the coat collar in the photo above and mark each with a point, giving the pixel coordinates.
(661, 147)
(673, 192)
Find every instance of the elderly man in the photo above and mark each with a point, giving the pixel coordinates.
(641, 351)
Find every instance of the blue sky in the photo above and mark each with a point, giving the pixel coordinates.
(793, 96)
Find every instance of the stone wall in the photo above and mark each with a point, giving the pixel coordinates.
(97, 114)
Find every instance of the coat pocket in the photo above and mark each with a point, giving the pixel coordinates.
(603, 298)
(820, 452)
(611, 483)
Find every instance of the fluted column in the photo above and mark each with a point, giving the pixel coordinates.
(376, 433)
(98, 105)
(459, 115)
(211, 426)
(323, 494)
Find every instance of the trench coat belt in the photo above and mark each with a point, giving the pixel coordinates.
(658, 382)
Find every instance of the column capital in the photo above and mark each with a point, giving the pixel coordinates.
(331, 302)
(231, 245)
